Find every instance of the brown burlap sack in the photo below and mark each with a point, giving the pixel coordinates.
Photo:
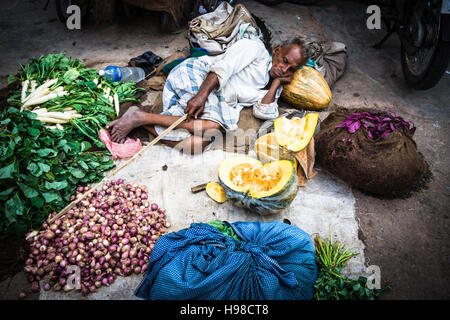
(389, 166)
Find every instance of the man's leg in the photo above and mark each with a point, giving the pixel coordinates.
(192, 145)
(134, 118)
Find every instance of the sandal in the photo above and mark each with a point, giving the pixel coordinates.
(153, 58)
(148, 61)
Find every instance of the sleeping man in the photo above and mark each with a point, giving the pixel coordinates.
(213, 90)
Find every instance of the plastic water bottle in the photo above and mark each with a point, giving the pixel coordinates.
(114, 73)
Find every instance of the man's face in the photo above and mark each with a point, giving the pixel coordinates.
(285, 61)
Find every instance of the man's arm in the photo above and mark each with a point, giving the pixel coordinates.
(270, 95)
(196, 105)
(276, 83)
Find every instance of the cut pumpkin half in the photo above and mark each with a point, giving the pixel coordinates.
(295, 133)
(268, 149)
(248, 174)
(264, 188)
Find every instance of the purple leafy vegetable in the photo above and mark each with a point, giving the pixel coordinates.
(354, 126)
(377, 124)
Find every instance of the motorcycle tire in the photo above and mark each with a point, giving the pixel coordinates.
(304, 2)
(433, 73)
(209, 5)
(271, 3)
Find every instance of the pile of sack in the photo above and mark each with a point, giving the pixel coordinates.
(371, 150)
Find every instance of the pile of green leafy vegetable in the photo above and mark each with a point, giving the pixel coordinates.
(331, 284)
(41, 169)
(86, 91)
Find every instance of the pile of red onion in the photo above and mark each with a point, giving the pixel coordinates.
(110, 233)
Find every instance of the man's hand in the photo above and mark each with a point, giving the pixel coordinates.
(195, 106)
(285, 79)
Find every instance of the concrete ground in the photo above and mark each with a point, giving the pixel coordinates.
(407, 238)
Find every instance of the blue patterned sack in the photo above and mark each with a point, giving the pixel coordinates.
(274, 261)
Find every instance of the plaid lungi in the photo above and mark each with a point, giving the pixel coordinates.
(181, 85)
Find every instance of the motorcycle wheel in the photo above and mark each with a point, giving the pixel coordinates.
(424, 67)
(305, 2)
(62, 5)
(210, 5)
(271, 2)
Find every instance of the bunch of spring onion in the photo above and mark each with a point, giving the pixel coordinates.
(107, 95)
(32, 97)
(41, 94)
(56, 82)
(332, 254)
(331, 284)
(111, 233)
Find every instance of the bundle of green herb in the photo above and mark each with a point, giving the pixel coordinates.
(331, 284)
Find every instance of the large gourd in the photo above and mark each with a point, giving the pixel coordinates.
(264, 189)
(308, 90)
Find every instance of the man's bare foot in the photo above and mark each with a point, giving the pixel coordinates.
(121, 127)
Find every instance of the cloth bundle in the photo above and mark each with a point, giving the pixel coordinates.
(329, 58)
(273, 260)
(218, 30)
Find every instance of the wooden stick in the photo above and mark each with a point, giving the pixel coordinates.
(154, 70)
(200, 187)
(123, 165)
(148, 76)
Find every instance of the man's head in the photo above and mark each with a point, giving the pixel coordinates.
(288, 57)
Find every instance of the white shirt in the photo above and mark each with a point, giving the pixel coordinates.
(243, 72)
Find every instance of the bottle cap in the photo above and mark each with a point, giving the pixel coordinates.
(116, 73)
(101, 72)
